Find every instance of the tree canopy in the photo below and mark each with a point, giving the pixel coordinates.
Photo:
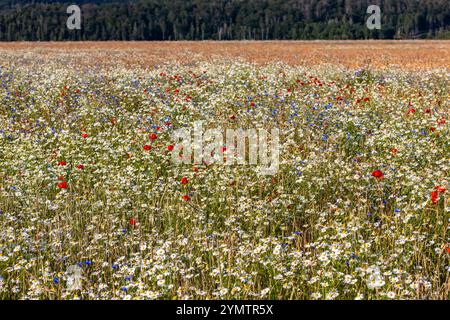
(223, 20)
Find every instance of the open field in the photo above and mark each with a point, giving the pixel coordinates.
(93, 205)
(411, 55)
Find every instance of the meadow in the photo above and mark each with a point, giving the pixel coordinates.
(93, 207)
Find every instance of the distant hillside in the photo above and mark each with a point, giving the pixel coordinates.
(223, 19)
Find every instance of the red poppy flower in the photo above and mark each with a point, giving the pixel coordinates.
(440, 121)
(377, 174)
(447, 249)
(84, 135)
(195, 169)
(132, 222)
(62, 185)
(184, 180)
(232, 117)
(427, 110)
(440, 189)
(80, 167)
(186, 197)
(394, 151)
(252, 104)
(153, 136)
(147, 147)
(434, 197)
(170, 147)
(62, 163)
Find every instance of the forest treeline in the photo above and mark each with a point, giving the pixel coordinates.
(223, 20)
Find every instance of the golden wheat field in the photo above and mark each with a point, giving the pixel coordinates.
(118, 180)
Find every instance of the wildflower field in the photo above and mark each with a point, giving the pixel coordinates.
(92, 205)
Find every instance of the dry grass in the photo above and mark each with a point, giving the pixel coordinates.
(411, 55)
